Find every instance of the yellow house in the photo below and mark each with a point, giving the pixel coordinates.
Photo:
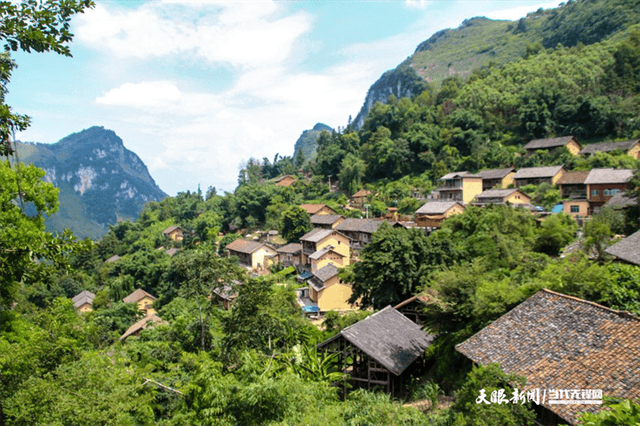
(83, 301)
(359, 198)
(496, 177)
(502, 196)
(320, 238)
(327, 221)
(252, 254)
(432, 213)
(326, 256)
(631, 148)
(538, 175)
(318, 209)
(551, 144)
(460, 186)
(174, 232)
(576, 208)
(328, 292)
(285, 180)
(143, 299)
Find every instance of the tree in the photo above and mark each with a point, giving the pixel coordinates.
(555, 233)
(295, 223)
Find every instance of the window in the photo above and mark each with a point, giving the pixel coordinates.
(594, 192)
(607, 192)
(614, 191)
(575, 209)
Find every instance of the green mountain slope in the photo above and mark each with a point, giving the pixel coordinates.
(306, 144)
(100, 181)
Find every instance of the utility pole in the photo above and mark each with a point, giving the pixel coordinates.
(329, 183)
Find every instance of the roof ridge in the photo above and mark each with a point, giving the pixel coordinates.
(577, 299)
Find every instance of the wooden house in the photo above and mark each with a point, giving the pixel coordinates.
(359, 231)
(360, 198)
(379, 351)
(252, 254)
(502, 196)
(627, 250)
(313, 209)
(319, 238)
(496, 178)
(327, 291)
(631, 147)
(552, 144)
(175, 233)
(83, 301)
(143, 299)
(326, 221)
(433, 213)
(560, 342)
(149, 321)
(602, 184)
(538, 175)
(460, 186)
(413, 308)
(290, 254)
(286, 180)
(572, 185)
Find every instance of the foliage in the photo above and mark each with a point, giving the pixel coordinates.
(555, 233)
(295, 223)
(624, 412)
(430, 391)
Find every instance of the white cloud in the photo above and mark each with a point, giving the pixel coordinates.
(516, 13)
(418, 4)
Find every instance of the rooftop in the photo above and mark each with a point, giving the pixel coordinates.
(147, 322)
(361, 193)
(495, 173)
(291, 248)
(608, 146)
(548, 142)
(454, 175)
(436, 207)
(171, 229)
(562, 342)
(139, 294)
(621, 200)
(244, 246)
(495, 193)
(314, 208)
(627, 249)
(368, 226)
(325, 219)
(323, 275)
(537, 172)
(318, 254)
(573, 178)
(600, 176)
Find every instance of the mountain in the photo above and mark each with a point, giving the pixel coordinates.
(101, 182)
(306, 143)
(479, 42)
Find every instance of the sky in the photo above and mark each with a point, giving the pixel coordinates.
(196, 88)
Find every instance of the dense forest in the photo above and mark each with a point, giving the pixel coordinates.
(257, 363)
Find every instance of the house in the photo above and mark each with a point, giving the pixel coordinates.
(143, 299)
(502, 196)
(460, 186)
(173, 251)
(360, 198)
(175, 233)
(290, 254)
(413, 308)
(551, 144)
(433, 213)
(359, 231)
(149, 321)
(327, 291)
(560, 342)
(325, 256)
(326, 221)
(572, 185)
(252, 254)
(538, 175)
(227, 293)
(285, 180)
(631, 148)
(83, 301)
(496, 177)
(112, 259)
(380, 350)
(602, 184)
(627, 250)
(313, 209)
(319, 238)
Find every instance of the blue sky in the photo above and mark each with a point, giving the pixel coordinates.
(195, 88)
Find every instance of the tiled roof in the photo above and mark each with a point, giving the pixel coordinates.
(621, 200)
(112, 259)
(313, 208)
(627, 249)
(137, 295)
(573, 178)
(368, 226)
(171, 229)
(562, 342)
(548, 143)
(388, 337)
(600, 176)
(537, 172)
(316, 235)
(494, 193)
(83, 294)
(82, 301)
(608, 146)
(291, 248)
(361, 193)
(323, 275)
(147, 322)
(495, 173)
(436, 207)
(325, 219)
(283, 177)
(318, 254)
(173, 251)
(454, 175)
(227, 292)
(244, 246)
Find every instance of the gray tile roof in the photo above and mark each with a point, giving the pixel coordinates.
(244, 246)
(368, 226)
(537, 172)
(83, 294)
(170, 230)
(454, 175)
(600, 176)
(562, 342)
(291, 248)
(390, 338)
(436, 207)
(548, 143)
(495, 173)
(627, 249)
(608, 146)
(137, 295)
(316, 235)
(573, 178)
(325, 219)
(494, 193)
(318, 254)
(621, 200)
